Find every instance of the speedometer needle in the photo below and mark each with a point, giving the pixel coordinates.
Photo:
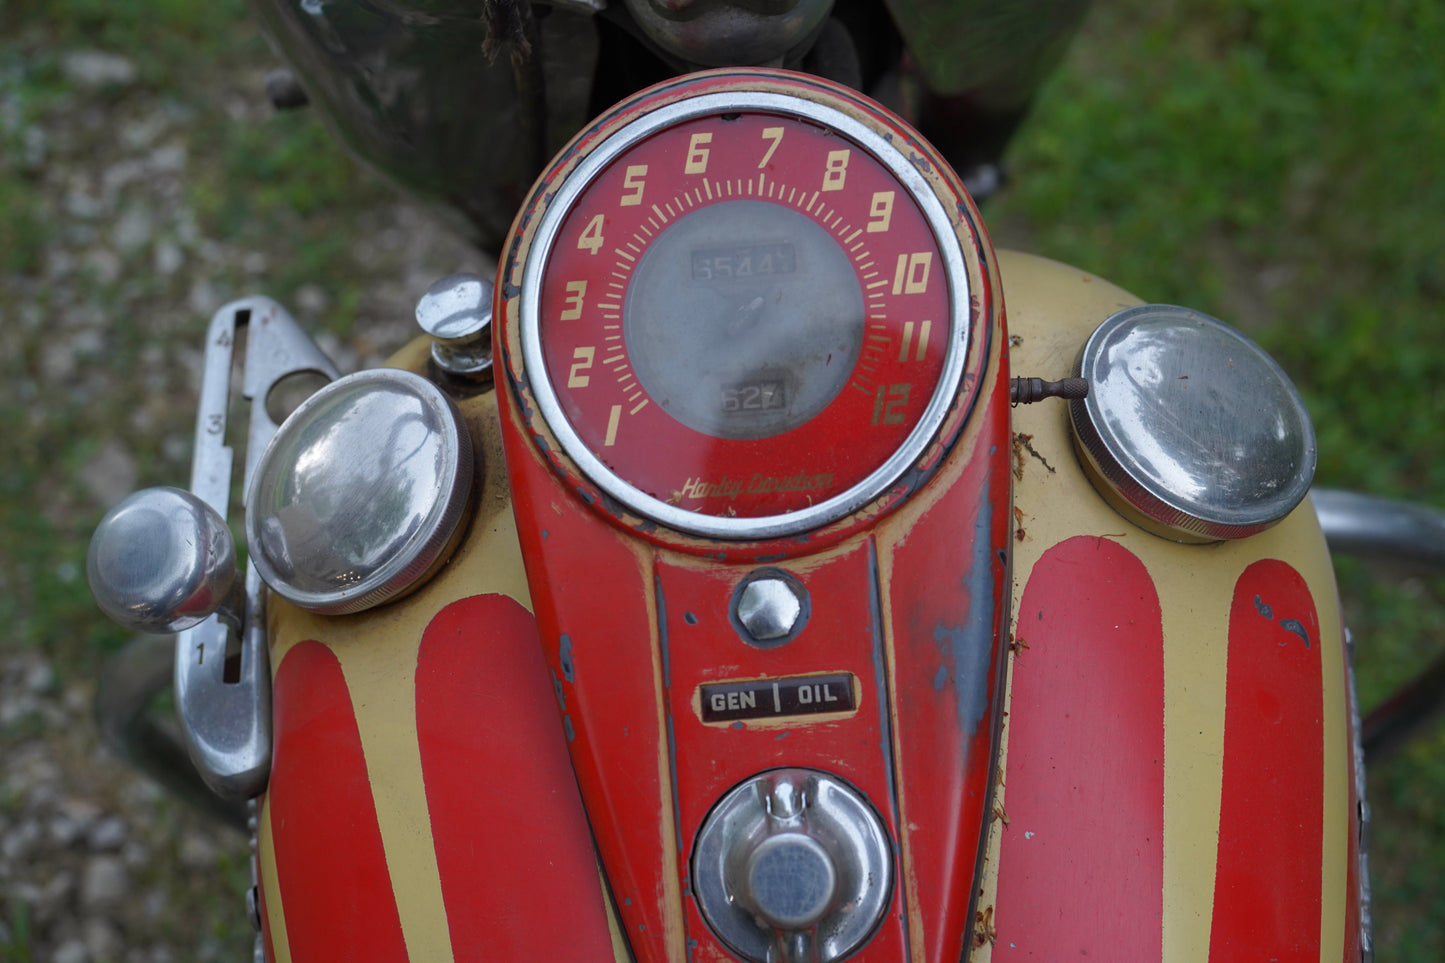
(747, 315)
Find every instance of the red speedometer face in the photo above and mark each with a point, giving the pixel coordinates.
(744, 313)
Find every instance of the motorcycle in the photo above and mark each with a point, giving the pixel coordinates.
(745, 631)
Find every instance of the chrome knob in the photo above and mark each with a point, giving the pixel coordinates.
(161, 561)
(793, 865)
(456, 312)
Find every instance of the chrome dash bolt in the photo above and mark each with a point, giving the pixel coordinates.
(457, 313)
(769, 608)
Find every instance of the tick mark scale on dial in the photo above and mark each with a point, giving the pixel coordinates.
(613, 417)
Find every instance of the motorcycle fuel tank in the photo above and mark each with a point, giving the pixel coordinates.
(755, 411)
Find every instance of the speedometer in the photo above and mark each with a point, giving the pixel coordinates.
(742, 304)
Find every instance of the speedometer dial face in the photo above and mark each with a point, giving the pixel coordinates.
(744, 314)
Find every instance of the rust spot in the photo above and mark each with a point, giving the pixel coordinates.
(1019, 534)
(1000, 813)
(1015, 340)
(1017, 645)
(1019, 441)
(983, 931)
(1023, 444)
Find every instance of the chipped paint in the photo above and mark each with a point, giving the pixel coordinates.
(565, 658)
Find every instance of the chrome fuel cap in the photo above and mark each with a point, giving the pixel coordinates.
(793, 865)
(358, 496)
(1190, 429)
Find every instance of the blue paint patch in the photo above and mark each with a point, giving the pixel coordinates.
(971, 645)
(940, 678)
(1264, 610)
(1297, 627)
(783, 735)
(564, 655)
(557, 688)
(689, 618)
(627, 901)
(567, 725)
(737, 725)
(544, 534)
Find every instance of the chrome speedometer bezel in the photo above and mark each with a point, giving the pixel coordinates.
(905, 168)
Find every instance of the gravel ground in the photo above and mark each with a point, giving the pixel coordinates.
(102, 317)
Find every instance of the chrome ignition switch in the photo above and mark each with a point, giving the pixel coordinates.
(793, 865)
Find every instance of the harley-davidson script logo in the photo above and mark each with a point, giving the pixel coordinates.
(758, 484)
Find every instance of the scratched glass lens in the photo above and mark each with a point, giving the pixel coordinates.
(744, 320)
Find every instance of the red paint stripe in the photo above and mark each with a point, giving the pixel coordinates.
(1267, 881)
(518, 869)
(1081, 866)
(331, 868)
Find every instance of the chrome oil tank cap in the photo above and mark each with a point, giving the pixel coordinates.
(358, 496)
(1190, 429)
(793, 864)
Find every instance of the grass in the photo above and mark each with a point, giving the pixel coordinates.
(1275, 163)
